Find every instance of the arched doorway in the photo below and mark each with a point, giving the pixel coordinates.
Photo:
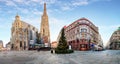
(20, 43)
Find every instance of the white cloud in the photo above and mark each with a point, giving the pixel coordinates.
(66, 8)
(32, 21)
(37, 12)
(19, 1)
(9, 11)
(72, 4)
(35, 0)
(80, 2)
(76, 3)
(109, 27)
(10, 3)
(43, 1)
(54, 21)
(18, 4)
(99, 0)
(48, 1)
(24, 10)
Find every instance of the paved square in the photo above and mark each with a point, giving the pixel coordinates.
(45, 57)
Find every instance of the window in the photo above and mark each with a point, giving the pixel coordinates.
(83, 30)
(77, 30)
(77, 40)
(116, 33)
(31, 35)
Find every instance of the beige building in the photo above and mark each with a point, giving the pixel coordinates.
(44, 29)
(1, 44)
(54, 44)
(8, 46)
(114, 42)
(21, 34)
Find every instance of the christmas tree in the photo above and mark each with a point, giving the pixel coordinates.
(62, 46)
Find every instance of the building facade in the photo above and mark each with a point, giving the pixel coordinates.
(1, 45)
(44, 29)
(82, 34)
(8, 46)
(54, 44)
(114, 42)
(22, 34)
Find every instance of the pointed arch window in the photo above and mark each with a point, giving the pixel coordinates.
(43, 32)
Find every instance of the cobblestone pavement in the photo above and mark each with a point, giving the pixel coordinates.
(45, 57)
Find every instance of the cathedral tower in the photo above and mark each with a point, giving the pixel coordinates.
(44, 30)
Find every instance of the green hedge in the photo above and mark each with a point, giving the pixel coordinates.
(63, 51)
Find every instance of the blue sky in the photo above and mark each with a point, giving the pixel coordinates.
(103, 13)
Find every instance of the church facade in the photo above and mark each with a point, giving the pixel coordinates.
(24, 34)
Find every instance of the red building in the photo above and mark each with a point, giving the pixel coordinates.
(81, 34)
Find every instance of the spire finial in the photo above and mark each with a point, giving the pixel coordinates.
(45, 12)
(17, 17)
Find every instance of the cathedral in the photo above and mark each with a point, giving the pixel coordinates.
(23, 34)
(44, 30)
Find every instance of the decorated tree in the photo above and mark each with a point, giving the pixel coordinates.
(62, 46)
(62, 41)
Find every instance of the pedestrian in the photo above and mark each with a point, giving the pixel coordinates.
(52, 51)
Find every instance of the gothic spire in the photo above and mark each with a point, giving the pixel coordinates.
(44, 29)
(45, 10)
